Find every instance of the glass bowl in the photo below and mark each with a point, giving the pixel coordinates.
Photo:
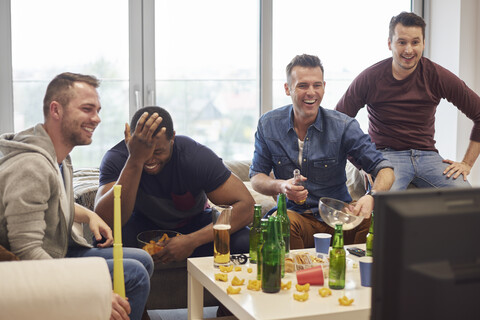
(153, 241)
(335, 212)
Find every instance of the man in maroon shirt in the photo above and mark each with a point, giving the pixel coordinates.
(402, 94)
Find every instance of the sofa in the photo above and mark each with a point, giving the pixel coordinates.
(169, 281)
(74, 289)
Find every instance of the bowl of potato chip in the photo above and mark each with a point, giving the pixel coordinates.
(335, 212)
(153, 241)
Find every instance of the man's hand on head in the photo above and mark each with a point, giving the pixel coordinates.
(141, 144)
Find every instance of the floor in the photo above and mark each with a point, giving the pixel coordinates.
(179, 314)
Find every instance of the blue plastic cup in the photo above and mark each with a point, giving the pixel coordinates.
(322, 242)
(366, 271)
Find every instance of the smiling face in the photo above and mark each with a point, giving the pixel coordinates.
(306, 88)
(80, 116)
(407, 45)
(161, 155)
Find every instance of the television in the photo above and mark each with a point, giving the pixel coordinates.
(426, 255)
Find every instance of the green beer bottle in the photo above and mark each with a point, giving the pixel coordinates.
(281, 242)
(285, 221)
(261, 240)
(271, 255)
(336, 278)
(369, 252)
(255, 233)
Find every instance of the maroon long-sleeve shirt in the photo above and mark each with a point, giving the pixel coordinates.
(402, 112)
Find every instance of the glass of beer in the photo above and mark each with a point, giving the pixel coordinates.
(221, 215)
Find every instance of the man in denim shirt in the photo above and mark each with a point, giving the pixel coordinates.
(317, 141)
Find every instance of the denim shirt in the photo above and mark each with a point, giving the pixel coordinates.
(329, 140)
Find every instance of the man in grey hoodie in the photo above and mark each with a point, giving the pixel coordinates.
(37, 208)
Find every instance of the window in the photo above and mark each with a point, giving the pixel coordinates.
(348, 36)
(206, 71)
(201, 61)
(53, 36)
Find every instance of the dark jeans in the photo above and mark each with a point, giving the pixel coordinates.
(137, 267)
(239, 241)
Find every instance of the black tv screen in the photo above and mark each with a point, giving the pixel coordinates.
(426, 254)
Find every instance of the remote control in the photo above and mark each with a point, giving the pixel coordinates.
(356, 251)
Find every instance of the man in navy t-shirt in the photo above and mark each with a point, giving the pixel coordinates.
(166, 180)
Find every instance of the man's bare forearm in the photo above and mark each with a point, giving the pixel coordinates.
(384, 180)
(266, 185)
(129, 179)
(472, 153)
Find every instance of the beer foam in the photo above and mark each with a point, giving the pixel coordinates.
(222, 227)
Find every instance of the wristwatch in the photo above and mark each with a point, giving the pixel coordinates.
(370, 192)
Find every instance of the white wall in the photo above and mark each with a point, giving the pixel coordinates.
(454, 39)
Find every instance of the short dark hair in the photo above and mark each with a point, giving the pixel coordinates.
(59, 89)
(304, 60)
(408, 19)
(166, 123)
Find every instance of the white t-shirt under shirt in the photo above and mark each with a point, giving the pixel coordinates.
(300, 152)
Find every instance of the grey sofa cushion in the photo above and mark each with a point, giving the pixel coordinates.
(85, 186)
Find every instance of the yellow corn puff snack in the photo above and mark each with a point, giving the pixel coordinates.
(232, 290)
(221, 277)
(237, 282)
(255, 285)
(303, 288)
(301, 297)
(249, 270)
(286, 286)
(226, 269)
(163, 238)
(238, 268)
(324, 292)
(344, 301)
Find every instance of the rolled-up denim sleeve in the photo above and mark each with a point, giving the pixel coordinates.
(262, 157)
(382, 165)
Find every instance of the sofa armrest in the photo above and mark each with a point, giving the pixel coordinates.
(240, 168)
(75, 288)
(85, 186)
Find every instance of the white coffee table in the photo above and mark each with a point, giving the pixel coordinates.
(259, 305)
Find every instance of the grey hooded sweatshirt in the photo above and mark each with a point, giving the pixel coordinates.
(36, 204)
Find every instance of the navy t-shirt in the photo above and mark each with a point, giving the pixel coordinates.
(178, 191)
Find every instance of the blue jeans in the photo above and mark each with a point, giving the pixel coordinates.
(239, 241)
(137, 267)
(424, 169)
